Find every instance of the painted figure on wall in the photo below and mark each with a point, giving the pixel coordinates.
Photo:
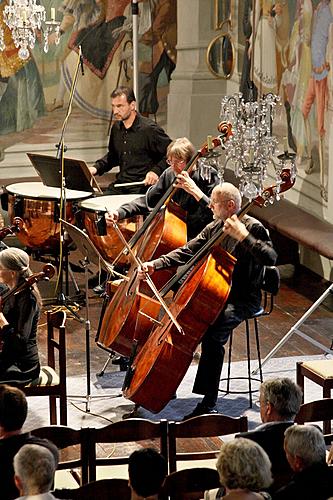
(21, 92)
(317, 90)
(247, 87)
(157, 49)
(268, 44)
(103, 42)
(296, 77)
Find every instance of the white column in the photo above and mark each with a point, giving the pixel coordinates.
(195, 93)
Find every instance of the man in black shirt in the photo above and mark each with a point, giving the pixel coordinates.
(13, 412)
(249, 242)
(137, 145)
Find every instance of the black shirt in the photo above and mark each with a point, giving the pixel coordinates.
(198, 213)
(137, 150)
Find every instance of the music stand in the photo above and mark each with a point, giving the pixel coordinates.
(76, 172)
(77, 176)
(91, 256)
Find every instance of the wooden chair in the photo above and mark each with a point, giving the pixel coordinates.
(124, 431)
(50, 382)
(321, 372)
(190, 484)
(201, 427)
(104, 489)
(66, 440)
(316, 411)
(270, 286)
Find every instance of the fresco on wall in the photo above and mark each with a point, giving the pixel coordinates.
(289, 52)
(34, 93)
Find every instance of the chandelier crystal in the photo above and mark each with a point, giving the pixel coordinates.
(252, 148)
(25, 18)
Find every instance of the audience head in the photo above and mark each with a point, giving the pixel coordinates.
(304, 446)
(179, 152)
(146, 470)
(280, 399)
(243, 464)
(34, 468)
(225, 200)
(13, 408)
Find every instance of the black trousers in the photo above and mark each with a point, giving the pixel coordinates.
(208, 375)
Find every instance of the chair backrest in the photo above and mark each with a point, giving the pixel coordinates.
(46, 385)
(316, 411)
(191, 483)
(102, 489)
(66, 439)
(124, 431)
(56, 321)
(270, 286)
(201, 427)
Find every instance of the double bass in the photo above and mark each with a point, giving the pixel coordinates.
(160, 365)
(166, 229)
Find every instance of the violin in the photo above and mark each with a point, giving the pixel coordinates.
(46, 274)
(14, 228)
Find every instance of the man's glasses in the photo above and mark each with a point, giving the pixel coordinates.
(174, 162)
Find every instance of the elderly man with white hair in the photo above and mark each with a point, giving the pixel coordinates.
(306, 453)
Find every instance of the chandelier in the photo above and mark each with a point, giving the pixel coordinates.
(25, 18)
(252, 148)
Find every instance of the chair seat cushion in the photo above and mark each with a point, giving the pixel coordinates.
(47, 376)
(322, 367)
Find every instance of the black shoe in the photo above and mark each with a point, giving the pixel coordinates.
(93, 281)
(100, 289)
(119, 360)
(202, 409)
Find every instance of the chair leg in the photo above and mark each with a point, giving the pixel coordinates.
(248, 359)
(53, 410)
(63, 409)
(300, 378)
(229, 362)
(256, 330)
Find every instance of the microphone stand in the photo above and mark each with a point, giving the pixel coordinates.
(61, 149)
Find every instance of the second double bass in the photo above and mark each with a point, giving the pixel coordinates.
(160, 365)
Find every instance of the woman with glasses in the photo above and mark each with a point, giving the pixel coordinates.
(192, 193)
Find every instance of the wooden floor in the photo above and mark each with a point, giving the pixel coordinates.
(299, 290)
(297, 294)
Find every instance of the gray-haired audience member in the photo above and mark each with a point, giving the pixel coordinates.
(146, 470)
(244, 466)
(306, 453)
(13, 412)
(280, 400)
(34, 468)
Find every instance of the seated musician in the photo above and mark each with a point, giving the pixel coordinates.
(19, 361)
(250, 243)
(137, 146)
(192, 194)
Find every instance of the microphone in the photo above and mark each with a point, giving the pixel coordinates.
(81, 60)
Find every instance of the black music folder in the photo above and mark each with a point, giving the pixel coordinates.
(76, 172)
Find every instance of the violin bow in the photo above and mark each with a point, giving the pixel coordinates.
(150, 282)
